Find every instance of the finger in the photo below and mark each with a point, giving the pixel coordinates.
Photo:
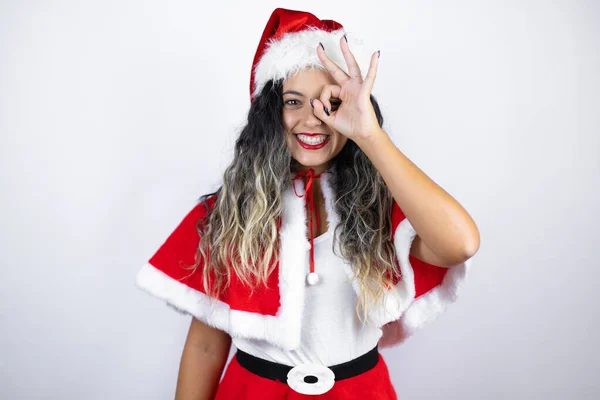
(327, 93)
(320, 112)
(338, 74)
(370, 78)
(353, 68)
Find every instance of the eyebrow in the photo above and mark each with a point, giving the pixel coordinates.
(292, 92)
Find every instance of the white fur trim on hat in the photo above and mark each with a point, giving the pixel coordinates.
(296, 51)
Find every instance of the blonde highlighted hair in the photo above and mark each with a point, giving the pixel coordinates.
(239, 234)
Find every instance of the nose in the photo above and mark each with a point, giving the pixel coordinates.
(310, 118)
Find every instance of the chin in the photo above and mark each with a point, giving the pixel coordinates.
(308, 164)
(311, 162)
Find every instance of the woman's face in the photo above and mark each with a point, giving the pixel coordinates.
(298, 117)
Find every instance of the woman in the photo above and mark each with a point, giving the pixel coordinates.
(324, 242)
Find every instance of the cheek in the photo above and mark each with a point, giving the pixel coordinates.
(288, 120)
(287, 124)
(341, 141)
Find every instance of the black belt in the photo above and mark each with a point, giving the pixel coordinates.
(275, 371)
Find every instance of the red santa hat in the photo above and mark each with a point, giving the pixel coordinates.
(289, 44)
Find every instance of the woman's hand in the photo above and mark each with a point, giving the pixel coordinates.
(355, 118)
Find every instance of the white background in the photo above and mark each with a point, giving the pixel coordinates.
(116, 115)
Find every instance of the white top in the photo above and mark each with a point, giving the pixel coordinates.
(331, 330)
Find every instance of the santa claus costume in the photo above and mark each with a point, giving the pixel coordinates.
(300, 338)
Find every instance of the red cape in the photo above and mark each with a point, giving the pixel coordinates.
(275, 315)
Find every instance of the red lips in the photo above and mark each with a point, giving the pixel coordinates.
(312, 146)
(310, 134)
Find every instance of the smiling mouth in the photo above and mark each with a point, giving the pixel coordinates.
(313, 143)
(311, 134)
(312, 139)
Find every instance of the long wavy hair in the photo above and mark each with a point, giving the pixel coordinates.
(239, 233)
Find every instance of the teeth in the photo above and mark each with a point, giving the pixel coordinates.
(312, 139)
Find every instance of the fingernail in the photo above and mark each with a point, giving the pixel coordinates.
(311, 104)
(323, 47)
(346, 38)
(327, 111)
(378, 53)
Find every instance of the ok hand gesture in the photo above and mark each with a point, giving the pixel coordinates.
(355, 118)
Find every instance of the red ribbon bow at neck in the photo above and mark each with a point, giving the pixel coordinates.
(312, 277)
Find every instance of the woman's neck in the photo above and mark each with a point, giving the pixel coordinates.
(317, 169)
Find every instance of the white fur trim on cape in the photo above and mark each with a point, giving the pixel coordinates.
(296, 51)
(401, 322)
(403, 310)
(283, 329)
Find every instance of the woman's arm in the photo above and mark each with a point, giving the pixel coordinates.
(202, 362)
(447, 234)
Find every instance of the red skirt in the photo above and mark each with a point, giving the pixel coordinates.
(240, 384)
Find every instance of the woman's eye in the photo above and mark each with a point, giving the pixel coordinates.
(288, 102)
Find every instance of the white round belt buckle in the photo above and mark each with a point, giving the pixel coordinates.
(310, 379)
